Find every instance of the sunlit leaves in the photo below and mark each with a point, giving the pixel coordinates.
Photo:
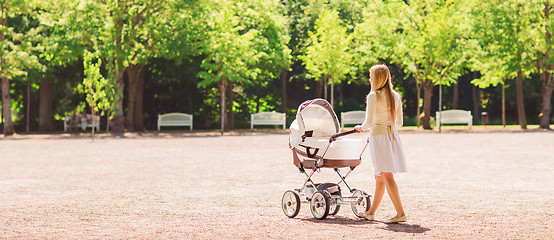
(506, 40)
(244, 42)
(19, 44)
(328, 54)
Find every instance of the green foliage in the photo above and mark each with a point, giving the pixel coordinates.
(108, 104)
(433, 40)
(229, 50)
(190, 46)
(376, 37)
(328, 55)
(101, 93)
(18, 39)
(94, 84)
(245, 43)
(504, 39)
(68, 31)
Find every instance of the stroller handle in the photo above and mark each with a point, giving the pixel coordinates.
(335, 136)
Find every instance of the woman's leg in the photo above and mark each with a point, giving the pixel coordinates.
(379, 191)
(392, 190)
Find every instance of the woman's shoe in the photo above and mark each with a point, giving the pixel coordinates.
(367, 217)
(397, 220)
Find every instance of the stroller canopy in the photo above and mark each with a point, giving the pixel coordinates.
(315, 115)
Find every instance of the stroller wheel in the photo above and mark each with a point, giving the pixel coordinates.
(334, 190)
(362, 202)
(334, 209)
(320, 205)
(291, 203)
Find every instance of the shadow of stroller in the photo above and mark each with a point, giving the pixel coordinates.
(402, 227)
(339, 220)
(407, 228)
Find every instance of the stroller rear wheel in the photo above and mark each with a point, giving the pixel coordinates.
(362, 202)
(334, 209)
(291, 203)
(320, 204)
(334, 190)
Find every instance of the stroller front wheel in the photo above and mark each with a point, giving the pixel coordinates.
(362, 202)
(319, 205)
(291, 203)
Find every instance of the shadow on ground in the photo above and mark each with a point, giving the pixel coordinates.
(339, 220)
(407, 228)
(401, 227)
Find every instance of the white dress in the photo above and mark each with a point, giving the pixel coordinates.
(385, 146)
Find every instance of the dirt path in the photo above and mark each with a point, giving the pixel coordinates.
(480, 185)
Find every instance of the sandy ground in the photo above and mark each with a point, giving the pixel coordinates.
(483, 184)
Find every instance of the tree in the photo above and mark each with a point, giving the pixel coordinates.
(504, 42)
(94, 84)
(328, 56)
(233, 48)
(268, 18)
(432, 45)
(126, 34)
(16, 51)
(63, 45)
(372, 42)
(544, 61)
(135, 30)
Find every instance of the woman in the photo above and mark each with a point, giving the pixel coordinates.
(383, 117)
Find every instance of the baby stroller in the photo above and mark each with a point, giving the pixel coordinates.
(316, 143)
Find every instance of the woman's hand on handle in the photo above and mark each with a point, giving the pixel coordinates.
(358, 128)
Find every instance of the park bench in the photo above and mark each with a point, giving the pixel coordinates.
(268, 118)
(82, 124)
(454, 116)
(175, 120)
(352, 117)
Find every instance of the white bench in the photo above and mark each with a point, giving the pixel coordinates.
(83, 124)
(454, 116)
(352, 117)
(268, 118)
(174, 119)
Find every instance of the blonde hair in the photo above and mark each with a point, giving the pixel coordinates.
(381, 81)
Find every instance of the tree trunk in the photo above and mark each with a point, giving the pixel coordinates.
(503, 104)
(93, 113)
(519, 97)
(325, 89)
(476, 100)
(418, 89)
(222, 88)
(1, 108)
(139, 113)
(230, 100)
(427, 97)
(45, 106)
(544, 120)
(284, 81)
(257, 101)
(332, 93)
(28, 106)
(131, 98)
(340, 90)
(455, 95)
(9, 128)
(118, 122)
(108, 122)
(133, 75)
(318, 88)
